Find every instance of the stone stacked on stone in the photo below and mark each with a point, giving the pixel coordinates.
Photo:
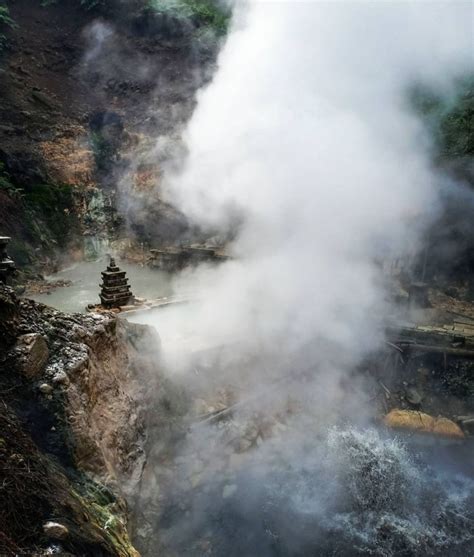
(115, 290)
(7, 266)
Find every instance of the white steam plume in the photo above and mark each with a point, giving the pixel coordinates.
(306, 135)
(306, 141)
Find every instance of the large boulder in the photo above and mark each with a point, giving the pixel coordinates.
(413, 420)
(55, 530)
(34, 354)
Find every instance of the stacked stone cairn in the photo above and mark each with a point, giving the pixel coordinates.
(115, 290)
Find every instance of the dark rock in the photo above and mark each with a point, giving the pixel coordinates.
(35, 354)
(467, 423)
(413, 396)
(46, 389)
(55, 530)
(43, 99)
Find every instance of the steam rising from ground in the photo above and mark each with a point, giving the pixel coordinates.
(345, 492)
(304, 143)
(304, 149)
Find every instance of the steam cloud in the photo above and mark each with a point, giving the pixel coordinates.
(304, 146)
(305, 139)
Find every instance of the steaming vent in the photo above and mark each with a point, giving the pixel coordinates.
(352, 492)
(305, 154)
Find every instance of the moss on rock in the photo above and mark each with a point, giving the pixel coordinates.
(35, 490)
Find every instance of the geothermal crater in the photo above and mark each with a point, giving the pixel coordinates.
(236, 279)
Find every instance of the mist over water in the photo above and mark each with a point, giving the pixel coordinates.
(304, 149)
(304, 143)
(85, 278)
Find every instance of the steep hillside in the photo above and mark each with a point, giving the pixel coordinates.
(86, 88)
(72, 433)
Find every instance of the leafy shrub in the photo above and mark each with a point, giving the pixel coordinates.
(5, 18)
(102, 149)
(450, 119)
(6, 183)
(86, 4)
(208, 13)
(54, 205)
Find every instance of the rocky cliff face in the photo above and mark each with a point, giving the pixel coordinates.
(86, 90)
(72, 427)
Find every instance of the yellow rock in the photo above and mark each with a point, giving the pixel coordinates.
(423, 423)
(448, 428)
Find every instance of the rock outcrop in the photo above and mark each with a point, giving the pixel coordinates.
(33, 354)
(420, 422)
(73, 423)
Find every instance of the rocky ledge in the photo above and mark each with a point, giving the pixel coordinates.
(72, 431)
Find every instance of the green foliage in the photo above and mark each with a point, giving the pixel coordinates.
(54, 205)
(206, 13)
(92, 4)
(19, 252)
(102, 149)
(5, 18)
(450, 119)
(5, 22)
(47, 211)
(209, 13)
(88, 5)
(7, 185)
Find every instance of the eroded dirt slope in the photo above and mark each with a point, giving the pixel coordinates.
(84, 96)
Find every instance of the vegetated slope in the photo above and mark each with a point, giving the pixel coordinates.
(449, 256)
(86, 87)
